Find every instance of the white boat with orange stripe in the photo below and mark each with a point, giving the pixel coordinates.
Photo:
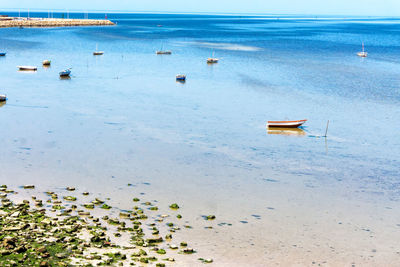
(286, 124)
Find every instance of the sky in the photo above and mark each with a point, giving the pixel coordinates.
(317, 7)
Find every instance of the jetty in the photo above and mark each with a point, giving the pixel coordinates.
(7, 22)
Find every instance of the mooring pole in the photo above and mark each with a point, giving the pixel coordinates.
(326, 130)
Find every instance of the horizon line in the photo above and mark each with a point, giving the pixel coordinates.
(37, 10)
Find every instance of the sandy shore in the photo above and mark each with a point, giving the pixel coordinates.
(45, 22)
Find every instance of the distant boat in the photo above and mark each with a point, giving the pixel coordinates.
(286, 124)
(65, 73)
(2, 54)
(163, 52)
(3, 98)
(32, 68)
(46, 62)
(181, 77)
(98, 53)
(212, 59)
(362, 53)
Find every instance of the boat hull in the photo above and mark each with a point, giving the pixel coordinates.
(2, 54)
(65, 73)
(3, 98)
(286, 124)
(163, 52)
(99, 53)
(29, 68)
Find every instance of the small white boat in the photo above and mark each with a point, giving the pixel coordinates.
(65, 73)
(212, 59)
(286, 124)
(46, 62)
(31, 68)
(3, 98)
(97, 52)
(362, 53)
(181, 77)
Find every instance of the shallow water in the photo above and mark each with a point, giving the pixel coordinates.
(122, 118)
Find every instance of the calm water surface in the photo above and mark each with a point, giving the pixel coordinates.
(291, 197)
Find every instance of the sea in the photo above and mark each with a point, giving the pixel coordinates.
(327, 193)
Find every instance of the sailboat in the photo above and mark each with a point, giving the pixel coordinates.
(97, 52)
(212, 59)
(162, 52)
(362, 53)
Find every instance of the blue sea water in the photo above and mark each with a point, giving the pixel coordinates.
(124, 115)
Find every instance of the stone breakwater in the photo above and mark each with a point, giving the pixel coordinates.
(43, 22)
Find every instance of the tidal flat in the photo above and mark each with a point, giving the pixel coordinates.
(122, 129)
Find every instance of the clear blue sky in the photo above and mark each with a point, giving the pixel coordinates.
(329, 7)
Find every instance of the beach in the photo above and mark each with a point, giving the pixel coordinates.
(291, 198)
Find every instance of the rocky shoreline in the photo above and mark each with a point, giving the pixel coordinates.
(61, 231)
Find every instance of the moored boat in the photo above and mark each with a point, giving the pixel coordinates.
(46, 62)
(164, 52)
(32, 68)
(181, 77)
(2, 54)
(3, 98)
(65, 73)
(362, 53)
(97, 52)
(212, 60)
(286, 124)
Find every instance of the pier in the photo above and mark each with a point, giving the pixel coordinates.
(6, 22)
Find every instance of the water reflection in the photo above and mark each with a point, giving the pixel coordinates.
(2, 103)
(65, 77)
(286, 131)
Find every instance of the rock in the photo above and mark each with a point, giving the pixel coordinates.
(174, 206)
(89, 205)
(124, 215)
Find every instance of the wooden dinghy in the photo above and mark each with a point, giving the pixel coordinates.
(3, 98)
(286, 124)
(30, 68)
